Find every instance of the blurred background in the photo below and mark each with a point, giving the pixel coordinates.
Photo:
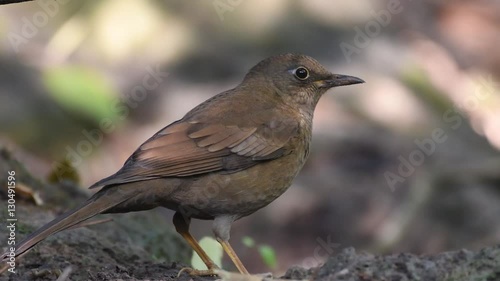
(408, 161)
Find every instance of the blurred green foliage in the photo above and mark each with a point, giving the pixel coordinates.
(248, 241)
(82, 92)
(266, 252)
(63, 171)
(212, 248)
(417, 80)
(268, 255)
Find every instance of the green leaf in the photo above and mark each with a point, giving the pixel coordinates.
(248, 241)
(82, 92)
(212, 248)
(268, 255)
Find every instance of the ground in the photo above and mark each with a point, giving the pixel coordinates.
(143, 246)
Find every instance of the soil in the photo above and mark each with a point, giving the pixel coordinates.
(143, 246)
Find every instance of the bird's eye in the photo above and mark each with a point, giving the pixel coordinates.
(301, 73)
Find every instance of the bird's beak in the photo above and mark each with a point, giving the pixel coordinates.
(336, 80)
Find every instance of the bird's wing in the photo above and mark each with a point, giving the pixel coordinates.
(189, 148)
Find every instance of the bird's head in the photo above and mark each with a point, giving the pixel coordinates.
(299, 79)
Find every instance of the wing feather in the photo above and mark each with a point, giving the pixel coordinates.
(189, 148)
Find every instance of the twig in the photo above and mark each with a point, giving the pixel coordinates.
(5, 2)
(65, 274)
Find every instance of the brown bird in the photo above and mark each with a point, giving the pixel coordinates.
(225, 159)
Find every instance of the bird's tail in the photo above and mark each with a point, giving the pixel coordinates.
(99, 203)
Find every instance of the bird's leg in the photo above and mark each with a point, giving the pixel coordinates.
(181, 224)
(232, 255)
(222, 228)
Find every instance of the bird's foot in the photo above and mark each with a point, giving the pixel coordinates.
(198, 272)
